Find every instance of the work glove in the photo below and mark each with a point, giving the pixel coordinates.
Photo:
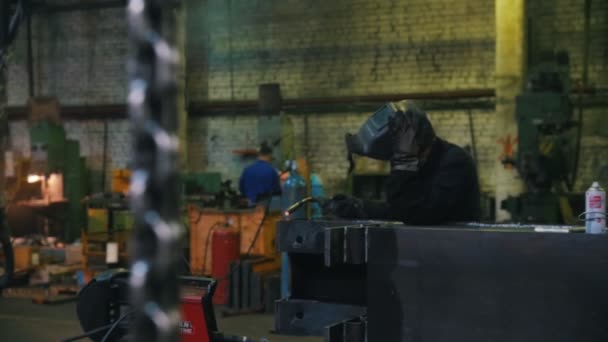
(346, 207)
(411, 133)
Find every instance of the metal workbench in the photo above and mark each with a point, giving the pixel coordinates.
(389, 282)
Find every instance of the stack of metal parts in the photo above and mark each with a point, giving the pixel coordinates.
(252, 289)
(369, 281)
(320, 296)
(108, 220)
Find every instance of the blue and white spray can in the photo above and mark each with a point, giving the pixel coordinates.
(595, 209)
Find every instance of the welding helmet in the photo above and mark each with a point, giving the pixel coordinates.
(374, 139)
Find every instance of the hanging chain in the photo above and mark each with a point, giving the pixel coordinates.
(154, 183)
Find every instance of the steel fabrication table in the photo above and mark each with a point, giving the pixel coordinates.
(391, 282)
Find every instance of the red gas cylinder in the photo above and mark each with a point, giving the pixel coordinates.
(225, 248)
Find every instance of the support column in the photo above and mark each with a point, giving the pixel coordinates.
(510, 74)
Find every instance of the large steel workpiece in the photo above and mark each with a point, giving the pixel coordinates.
(452, 283)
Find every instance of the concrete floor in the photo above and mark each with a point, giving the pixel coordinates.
(23, 321)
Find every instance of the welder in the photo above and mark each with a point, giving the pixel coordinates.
(431, 180)
(260, 179)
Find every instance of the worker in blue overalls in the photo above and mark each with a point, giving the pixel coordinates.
(260, 179)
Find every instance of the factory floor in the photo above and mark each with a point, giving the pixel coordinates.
(23, 321)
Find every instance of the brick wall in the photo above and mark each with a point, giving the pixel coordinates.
(312, 48)
(317, 49)
(78, 57)
(341, 47)
(212, 142)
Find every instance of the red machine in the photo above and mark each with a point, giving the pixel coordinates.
(225, 249)
(193, 327)
(198, 322)
(198, 319)
(102, 304)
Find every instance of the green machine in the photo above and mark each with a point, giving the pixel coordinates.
(198, 184)
(53, 156)
(545, 150)
(208, 190)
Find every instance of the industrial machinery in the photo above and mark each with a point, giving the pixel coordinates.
(12, 13)
(546, 146)
(202, 187)
(57, 165)
(47, 190)
(109, 220)
(381, 281)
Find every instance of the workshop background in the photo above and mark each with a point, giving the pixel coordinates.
(335, 63)
(328, 52)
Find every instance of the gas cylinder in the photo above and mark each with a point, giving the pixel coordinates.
(317, 191)
(595, 209)
(225, 248)
(294, 190)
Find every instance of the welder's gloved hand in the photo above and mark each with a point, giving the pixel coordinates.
(412, 135)
(346, 207)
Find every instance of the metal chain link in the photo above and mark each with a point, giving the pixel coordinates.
(154, 184)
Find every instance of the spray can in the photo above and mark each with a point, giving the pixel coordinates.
(595, 209)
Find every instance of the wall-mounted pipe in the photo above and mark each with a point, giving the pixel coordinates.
(79, 6)
(199, 107)
(443, 101)
(30, 55)
(584, 81)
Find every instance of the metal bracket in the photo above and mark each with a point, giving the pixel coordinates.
(353, 330)
(346, 245)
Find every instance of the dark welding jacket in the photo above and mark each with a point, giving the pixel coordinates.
(444, 190)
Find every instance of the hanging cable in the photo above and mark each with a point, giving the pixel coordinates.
(154, 183)
(113, 326)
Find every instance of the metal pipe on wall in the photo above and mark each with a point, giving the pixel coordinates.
(584, 81)
(199, 106)
(182, 100)
(443, 101)
(80, 6)
(30, 56)
(104, 156)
